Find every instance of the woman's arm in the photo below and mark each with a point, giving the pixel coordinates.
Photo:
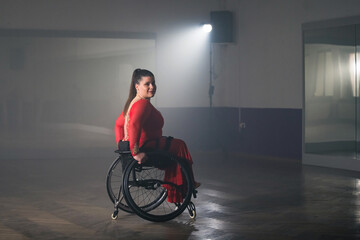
(138, 115)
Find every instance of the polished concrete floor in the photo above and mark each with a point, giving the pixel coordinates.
(240, 198)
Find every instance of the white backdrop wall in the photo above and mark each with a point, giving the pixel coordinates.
(261, 69)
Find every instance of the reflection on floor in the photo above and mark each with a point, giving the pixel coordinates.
(240, 198)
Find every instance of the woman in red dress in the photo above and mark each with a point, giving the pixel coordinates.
(140, 123)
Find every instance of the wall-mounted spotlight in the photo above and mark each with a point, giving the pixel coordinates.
(206, 28)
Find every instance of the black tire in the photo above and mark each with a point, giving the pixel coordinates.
(145, 192)
(114, 181)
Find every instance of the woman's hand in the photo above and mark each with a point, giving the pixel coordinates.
(140, 157)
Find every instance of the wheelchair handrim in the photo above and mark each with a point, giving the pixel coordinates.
(145, 213)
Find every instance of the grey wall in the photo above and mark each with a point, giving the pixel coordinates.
(267, 57)
(263, 68)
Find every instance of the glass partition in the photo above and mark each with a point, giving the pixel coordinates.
(356, 67)
(331, 91)
(61, 91)
(69, 78)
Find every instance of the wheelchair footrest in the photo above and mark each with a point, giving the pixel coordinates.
(194, 193)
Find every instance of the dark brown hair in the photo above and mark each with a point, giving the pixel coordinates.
(136, 77)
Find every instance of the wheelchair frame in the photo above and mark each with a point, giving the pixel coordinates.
(146, 191)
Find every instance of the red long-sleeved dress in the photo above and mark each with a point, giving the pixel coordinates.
(145, 124)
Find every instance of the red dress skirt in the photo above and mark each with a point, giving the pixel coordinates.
(173, 174)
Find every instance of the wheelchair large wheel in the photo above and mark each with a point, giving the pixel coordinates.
(147, 191)
(114, 181)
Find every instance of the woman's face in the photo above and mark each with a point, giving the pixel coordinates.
(146, 87)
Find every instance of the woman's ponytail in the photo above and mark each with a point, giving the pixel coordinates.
(135, 79)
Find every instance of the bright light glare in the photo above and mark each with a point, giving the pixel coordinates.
(185, 50)
(354, 66)
(207, 28)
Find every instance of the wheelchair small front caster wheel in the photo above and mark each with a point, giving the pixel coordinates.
(192, 210)
(192, 214)
(114, 215)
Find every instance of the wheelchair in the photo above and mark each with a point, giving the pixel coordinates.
(144, 189)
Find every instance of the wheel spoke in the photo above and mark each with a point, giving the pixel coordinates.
(148, 192)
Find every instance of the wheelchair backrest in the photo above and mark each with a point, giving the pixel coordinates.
(123, 147)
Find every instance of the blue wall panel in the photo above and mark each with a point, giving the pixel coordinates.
(271, 132)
